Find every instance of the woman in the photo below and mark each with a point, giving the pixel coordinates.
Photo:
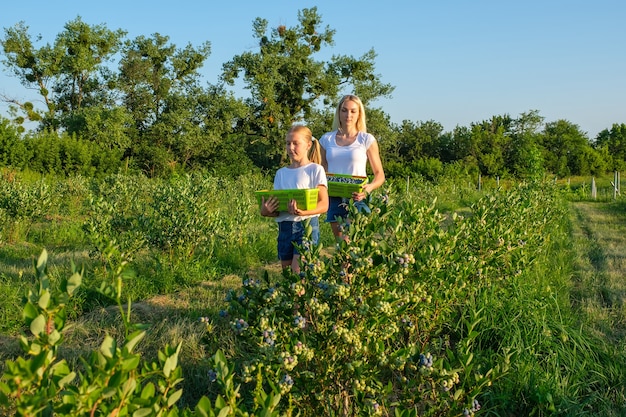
(347, 150)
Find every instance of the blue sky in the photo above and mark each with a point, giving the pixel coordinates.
(455, 62)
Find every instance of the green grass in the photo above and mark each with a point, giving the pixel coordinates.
(599, 289)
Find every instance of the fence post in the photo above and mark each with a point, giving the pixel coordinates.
(594, 191)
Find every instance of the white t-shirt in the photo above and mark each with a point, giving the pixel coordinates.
(308, 176)
(348, 160)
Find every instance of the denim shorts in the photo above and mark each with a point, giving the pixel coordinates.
(290, 233)
(338, 208)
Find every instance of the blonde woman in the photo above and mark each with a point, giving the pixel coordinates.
(347, 150)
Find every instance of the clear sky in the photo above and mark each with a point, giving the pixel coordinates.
(451, 61)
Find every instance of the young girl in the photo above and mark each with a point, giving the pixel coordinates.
(304, 172)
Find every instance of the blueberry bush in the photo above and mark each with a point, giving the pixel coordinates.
(384, 323)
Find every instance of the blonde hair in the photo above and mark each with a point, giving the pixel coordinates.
(314, 154)
(361, 125)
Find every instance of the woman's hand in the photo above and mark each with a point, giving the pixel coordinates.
(269, 207)
(363, 194)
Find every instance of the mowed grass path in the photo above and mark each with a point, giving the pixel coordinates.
(599, 280)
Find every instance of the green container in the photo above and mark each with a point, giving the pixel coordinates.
(340, 185)
(305, 198)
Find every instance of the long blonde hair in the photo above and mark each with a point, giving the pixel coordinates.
(361, 125)
(314, 154)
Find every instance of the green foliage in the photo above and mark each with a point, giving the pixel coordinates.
(112, 381)
(22, 204)
(13, 153)
(287, 83)
(152, 115)
(182, 216)
(383, 323)
(421, 312)
(613, 142)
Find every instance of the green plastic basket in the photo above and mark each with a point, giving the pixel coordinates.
(305, 198)
(340, 185)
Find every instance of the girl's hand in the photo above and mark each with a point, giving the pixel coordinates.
(293, 208)
(269, 207)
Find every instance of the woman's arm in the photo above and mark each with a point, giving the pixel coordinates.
(373, 156)
(324, 161)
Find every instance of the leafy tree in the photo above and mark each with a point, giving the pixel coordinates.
(566, 149)
(106, 126)
(159, 85)
(82, 51)
(525, 157)
(33, 67)
(68, 75)
(287, 84)
(414, 150)
(151, 69)
(613, 143)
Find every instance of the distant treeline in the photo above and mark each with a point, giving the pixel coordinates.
(114, 104)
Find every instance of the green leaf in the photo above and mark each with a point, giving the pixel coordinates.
(224, 412)
(174, 397)
(142, 412)
(170, 364)
(129, 386)
(42, 261)
(458, 393)
(130, 363)
(30, 312)
(44, 299)
(73, 283)
(67, 379)
(54, 337)
(38, 325)
(220, 402)
(133, 339)
(108, 392)
(108, 347)
(204, 408)
(148, 391)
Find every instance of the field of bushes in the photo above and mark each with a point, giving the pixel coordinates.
(134, 296)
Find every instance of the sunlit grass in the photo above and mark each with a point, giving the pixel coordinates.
(599, 285)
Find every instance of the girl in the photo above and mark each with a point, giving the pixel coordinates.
(304, 172)
(347, 150)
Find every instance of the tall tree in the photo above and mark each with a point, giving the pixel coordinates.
(69, 74)
(525, 158)
(33, 67)
(159, 86)
(287, 83)
(151, 69)
(566, 149)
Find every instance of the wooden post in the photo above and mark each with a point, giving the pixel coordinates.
(480, 184)
(594, 192)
